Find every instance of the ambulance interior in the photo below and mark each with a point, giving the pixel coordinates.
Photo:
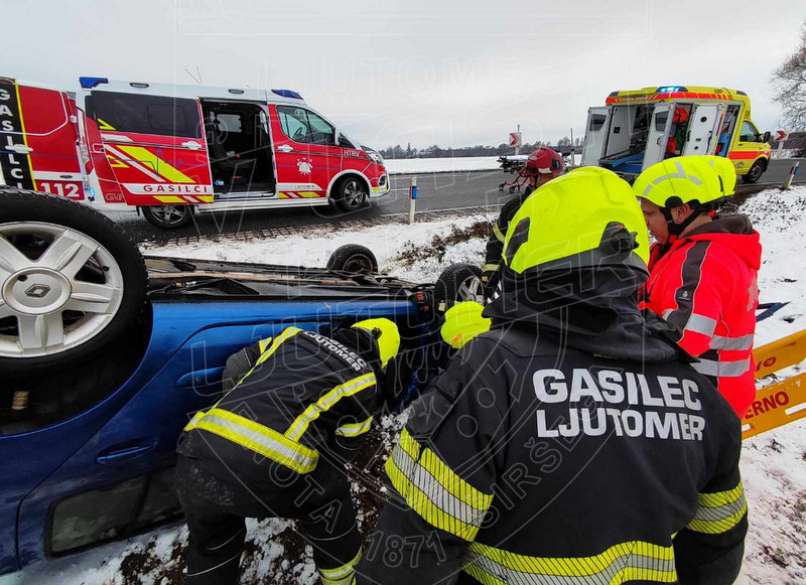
(642, 134)
(239, 146)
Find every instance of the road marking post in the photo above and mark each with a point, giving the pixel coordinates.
(791, 176)
(412, 199)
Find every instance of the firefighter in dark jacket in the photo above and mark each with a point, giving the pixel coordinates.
(571, 443)
(542, 166)
(275, 446)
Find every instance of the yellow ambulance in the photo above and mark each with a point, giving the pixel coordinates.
(637, 128)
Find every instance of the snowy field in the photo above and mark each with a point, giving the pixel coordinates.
(445, 165)
(773, 464)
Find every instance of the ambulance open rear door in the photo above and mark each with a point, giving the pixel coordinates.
(658, 136)
(701, 137)
(595, 135)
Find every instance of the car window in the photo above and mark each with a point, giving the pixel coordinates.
(321, 131)
(294, 123)
(596, 122)
(144, 114)
(749, 132)
(304, 126)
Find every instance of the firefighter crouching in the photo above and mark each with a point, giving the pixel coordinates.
(275, 446)
(542, 166)
(571, 443)
(703, 269)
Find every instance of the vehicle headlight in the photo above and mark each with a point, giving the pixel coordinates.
(375, 157)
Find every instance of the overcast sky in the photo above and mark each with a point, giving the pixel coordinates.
(451, 72)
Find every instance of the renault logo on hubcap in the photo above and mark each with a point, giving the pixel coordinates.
(37, 291)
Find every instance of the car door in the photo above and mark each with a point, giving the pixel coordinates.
(595, 135)
(305, 151)
(747, 147)
(39, 140)
(152, 139)
(702, 129)
(658, 136)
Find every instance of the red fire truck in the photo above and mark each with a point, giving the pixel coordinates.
(172, 150)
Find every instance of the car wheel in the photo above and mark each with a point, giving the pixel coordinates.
(353, 258)
(168, 217)
(458, 282)
(351, 194)
(755, 172)
(71, 282)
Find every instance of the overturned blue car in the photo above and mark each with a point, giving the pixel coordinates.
(105, 354)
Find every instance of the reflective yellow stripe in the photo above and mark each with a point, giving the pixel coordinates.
(287, 334)
(498, 234)
(435, 491)
(490, 267)
(263, 344)
(256, 437)
(148, 158)
(718, 512)
(342, 575)
(716, 499)
(104, 125)
(455, 485)
(326, 402)
(628, 561)
(309, 194)
(409, 444)
(354, 429)
(169, 199)
(24, 135)
(422, 504)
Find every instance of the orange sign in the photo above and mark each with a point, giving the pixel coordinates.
(782, 402)
(776, 405)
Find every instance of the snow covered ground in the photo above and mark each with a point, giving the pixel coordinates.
(441, 165)
(773, 464)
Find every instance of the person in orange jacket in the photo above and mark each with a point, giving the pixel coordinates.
(703, 268)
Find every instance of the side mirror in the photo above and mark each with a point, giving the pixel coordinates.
(765, 137)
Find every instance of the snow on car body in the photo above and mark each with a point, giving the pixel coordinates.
(637, 128)
(171, 149)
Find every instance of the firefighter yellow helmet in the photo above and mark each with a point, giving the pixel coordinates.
(463, 322)
(700, 180)
(386, 334)
(586, 218)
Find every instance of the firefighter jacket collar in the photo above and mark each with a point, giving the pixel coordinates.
(597, 313)
(732, 230)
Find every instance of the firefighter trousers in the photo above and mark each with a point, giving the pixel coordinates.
(216, 510)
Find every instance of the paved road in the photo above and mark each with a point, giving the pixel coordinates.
(437, 193)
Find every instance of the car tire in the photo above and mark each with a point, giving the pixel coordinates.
(353, 258)
(168, 217)
(458, 282)
(351, 193)
(755, 172)
(72, 282)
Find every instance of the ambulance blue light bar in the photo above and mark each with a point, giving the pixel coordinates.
(289, 93)
(90, 82)
(670, 88)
